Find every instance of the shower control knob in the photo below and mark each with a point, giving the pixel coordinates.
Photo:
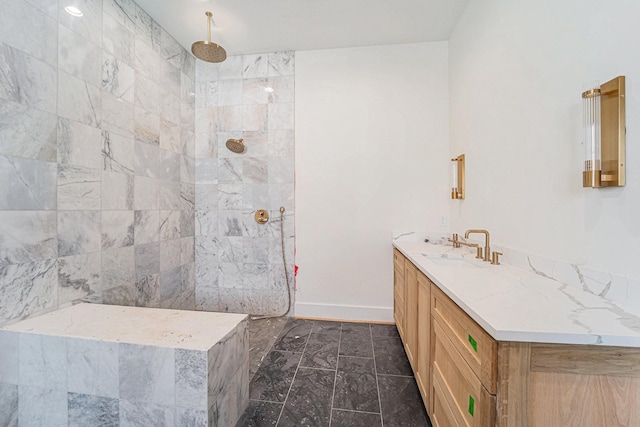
(262, 216)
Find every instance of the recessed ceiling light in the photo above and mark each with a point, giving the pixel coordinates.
(73, 11)
(268, 89)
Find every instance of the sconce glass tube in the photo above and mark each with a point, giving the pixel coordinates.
(457, 177)
(454, 176)
(592, 138)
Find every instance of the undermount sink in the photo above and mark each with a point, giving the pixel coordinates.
(444, 258)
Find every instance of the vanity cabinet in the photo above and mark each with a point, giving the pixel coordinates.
(468, 379)
(454, 360)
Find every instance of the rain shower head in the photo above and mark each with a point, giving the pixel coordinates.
(207, 50)
(235, 145)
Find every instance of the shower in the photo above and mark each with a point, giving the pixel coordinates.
(253, 275)
(207, 50)
(235, 145)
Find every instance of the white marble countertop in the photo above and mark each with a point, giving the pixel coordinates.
(513, 304)
(191, 330)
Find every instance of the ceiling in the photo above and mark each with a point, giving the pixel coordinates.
(258, 26)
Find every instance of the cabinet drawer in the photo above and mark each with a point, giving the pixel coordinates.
(442, 415)
(464, 400)
(476, 347)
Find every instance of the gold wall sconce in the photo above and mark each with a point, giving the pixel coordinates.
(457, 175)
(605, 135)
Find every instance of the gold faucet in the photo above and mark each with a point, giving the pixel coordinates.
(487, 248)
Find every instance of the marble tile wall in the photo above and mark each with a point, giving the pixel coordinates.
(97, 170)
(239, 265)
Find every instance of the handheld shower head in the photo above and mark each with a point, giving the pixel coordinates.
(235, 145)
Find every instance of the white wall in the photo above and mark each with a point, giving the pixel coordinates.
(516, 74)
(371, 159)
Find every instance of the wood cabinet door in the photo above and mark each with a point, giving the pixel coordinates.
(411, 312)
(423, 375)
(399, 292)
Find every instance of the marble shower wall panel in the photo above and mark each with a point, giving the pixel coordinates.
(97, 159)
(239, 264)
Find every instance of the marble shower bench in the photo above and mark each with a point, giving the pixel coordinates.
(91, 364)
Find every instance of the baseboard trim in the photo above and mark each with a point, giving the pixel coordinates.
(344, 312)
(373, 322)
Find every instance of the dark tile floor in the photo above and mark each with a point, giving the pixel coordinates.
(334, 374)
(262, 334)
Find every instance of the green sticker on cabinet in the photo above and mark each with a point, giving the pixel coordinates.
(473, 343)
(472, 405)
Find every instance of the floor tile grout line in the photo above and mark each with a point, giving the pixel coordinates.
(335, 379)
(375, 368)
(294, 376)
(358, 412)
(357, 357)
(317, 369)
(396, 375)
(265, 401)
